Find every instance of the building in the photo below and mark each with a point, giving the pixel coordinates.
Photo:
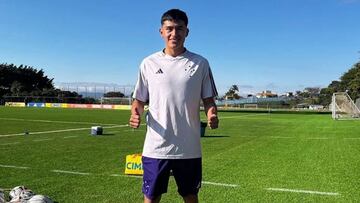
(266, 94)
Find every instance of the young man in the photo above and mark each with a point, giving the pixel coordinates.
(173, 81)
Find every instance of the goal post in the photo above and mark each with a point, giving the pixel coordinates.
(116, 100)
(250, 106)
(343, 107)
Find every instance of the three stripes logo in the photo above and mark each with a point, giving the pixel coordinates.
(159, 71)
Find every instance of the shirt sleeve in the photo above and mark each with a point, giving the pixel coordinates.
(141, 91)
(208, 83)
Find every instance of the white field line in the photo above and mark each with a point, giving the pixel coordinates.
(248, 136)
(10, 135)
(114, 131)
(352, 138)
(44, 132)
(285, 137)
(40, 140)
(17, 167)
(219, 184)
(302, 191)
(246, 115)
(275, 137)
(58, 131)
(317, 138)
(279, 137)
(134, 130)
(70, 172)
(203, 182)
(117, 126)
(131, 130)
(50, 121)
(129, 176)
(66, 137)
(12, 143)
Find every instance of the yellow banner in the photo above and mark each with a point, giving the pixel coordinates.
(133, 165)
(16, 104)
(122, 107)
(56, 105)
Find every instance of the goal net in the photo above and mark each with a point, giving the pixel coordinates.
(250, 106)
(116, 100)
(343, 107)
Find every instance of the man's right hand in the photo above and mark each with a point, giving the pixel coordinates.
(135, 119)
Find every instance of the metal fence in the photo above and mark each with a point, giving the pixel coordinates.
(95, 90)
(252, 100)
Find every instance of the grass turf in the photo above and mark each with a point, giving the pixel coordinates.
(252, 151)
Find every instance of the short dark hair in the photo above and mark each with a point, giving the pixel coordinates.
(174, 15)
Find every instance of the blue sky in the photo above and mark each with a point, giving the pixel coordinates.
(278, 45)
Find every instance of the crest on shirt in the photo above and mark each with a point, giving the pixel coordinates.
(191, 69)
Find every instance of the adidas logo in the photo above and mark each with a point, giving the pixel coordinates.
(159, 71)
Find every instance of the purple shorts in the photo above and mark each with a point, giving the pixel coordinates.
(187, 174)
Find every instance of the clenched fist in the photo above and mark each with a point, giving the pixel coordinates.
(213, 121)
(135, 119)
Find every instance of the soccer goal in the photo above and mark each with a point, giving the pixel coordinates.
(116, 100)
(250, 106)
(343, 107)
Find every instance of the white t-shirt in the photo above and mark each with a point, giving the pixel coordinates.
(174, 86)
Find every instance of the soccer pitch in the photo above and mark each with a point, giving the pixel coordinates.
(252, 157)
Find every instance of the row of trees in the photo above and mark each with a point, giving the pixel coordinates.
(349, 82)
(23, 80)
(26, 83)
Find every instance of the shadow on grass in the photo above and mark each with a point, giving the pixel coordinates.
(108, 134)
(214, 136)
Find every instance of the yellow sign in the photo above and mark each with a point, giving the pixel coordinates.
(16, 104)
(122, 107)
(133, 165)
(56, 105)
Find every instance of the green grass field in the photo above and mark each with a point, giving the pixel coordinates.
(252, 157)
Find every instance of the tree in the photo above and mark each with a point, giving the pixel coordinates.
(22, 80)
(233, 92)
(313, 91)
(326, 93)
(114, 94)
(31, 84)
(16, 88)
(349, 81)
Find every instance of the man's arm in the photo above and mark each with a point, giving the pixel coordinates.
(137, 108)
(211, 112)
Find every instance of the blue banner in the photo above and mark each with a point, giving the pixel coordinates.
(39, 105)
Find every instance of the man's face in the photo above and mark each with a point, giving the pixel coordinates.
(174, 33)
